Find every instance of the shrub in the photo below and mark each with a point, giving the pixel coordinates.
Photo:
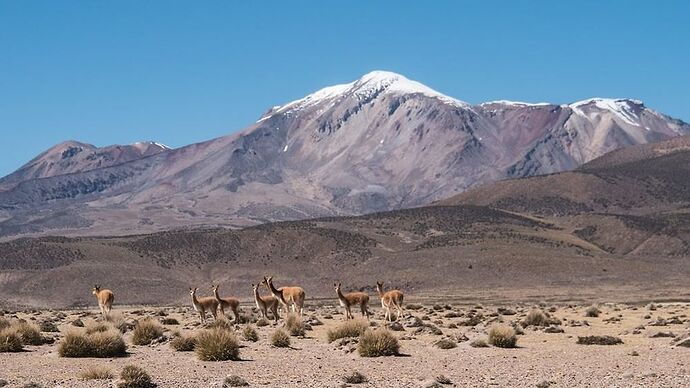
(170, 321)
(592, 312)
(118, 320)
(538, 317)
(96, 372)
(146, 331)
(355, 378)
(221, 324)
(4, 323)
(280, 339)
(98, 327)
(446, 343)
(479, 343)
(100, 344)
(502, 336)
(10, 341)
(295, 325)
(29, 333)
(234, 381)
(48, 327)
(217, 345)
(134, 377)
(377, 343)
(249, 333)
(183, 343)
(351, 328)
(599, 340)
(262, 322)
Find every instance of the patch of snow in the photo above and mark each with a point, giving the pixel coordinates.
(515, 103)
(142, 143)
(381, 142)
(623, 108)
(285, 149)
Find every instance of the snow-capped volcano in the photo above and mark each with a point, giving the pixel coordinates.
(380, 142)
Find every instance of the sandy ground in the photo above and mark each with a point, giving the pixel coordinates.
(548, 359)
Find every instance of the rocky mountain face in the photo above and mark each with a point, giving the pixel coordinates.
(379, 143)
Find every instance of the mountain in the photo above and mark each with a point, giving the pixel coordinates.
(379, 143)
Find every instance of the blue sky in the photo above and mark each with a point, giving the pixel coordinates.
(107, 72)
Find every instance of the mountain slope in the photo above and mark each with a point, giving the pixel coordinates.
(379, 143)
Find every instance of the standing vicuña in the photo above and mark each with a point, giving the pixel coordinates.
(105, 299)
(352, 298)
(265, 303)
(390, 299)
(287, 295)
(203, 304)
(233, 303)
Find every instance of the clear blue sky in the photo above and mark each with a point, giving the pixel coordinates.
(107, 72)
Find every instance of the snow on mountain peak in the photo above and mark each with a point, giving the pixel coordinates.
(371, 83)
(622, 107)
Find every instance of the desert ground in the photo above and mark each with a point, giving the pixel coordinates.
(653, 351)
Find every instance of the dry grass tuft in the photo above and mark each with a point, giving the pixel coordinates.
(118, 320)
(101, 344)
(10, 341)
(217, 345)
(96, 372)
(537, 317)
(249, 333)
(479, 343)
(146, 331)
(502, 336)
(592, 312)
(134, 377)
(183, 343)
(376, 343)
(599, 340)
(280, 339)
(295, 325)
(355, 378)
(446, 343)
(262, 322)
(4, 323)
(234, 381)
(348, 329)
(29, 333)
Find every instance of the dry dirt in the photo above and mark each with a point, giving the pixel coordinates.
(548, 359)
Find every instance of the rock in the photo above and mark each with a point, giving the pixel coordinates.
(396, 326)
(553, 329)
(662, 334)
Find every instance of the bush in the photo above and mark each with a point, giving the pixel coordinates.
(502, 336)
(479, 343)
(96, 373)
(134, 377)
(280, 339)
(349, 329)
(599, 340)
(48, 327)
(4, 323)
(217, 345)
(446, 343)
(98, 327)
(592, 312)
(10, 341)
(295, 325)
(183, 343)
(234, 381)
(355, 378)
(146, 331)
(249, 333)
(118, 320)
(537, 317)
(378, 343)
(29, 333)
(262, 322)
(170, 321)
(101, 344)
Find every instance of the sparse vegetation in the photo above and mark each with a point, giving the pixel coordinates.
(48, 327)
(234, 381)
(261, 322)
(135, 377)
(355, 378)
(146, 331)
(118, 320)
(217, 344)
(96, 372)
(446, 343)
(183, 343)
(280, 339)
(479, 343)
(599, 340)
(10, 341)
(538, 317)
(295, 325)
(100, 344)
(169, 321)
(4, 323)
(502, 336)
(29, 333)
(376, 343)
(249, 333)
(350, 328)
(592, 312)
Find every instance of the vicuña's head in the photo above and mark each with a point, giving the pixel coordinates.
(214, 287)
(379, 286)
(267, 281)
(255, 287)
(96, 289)
(336, 286)
(192, 291)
